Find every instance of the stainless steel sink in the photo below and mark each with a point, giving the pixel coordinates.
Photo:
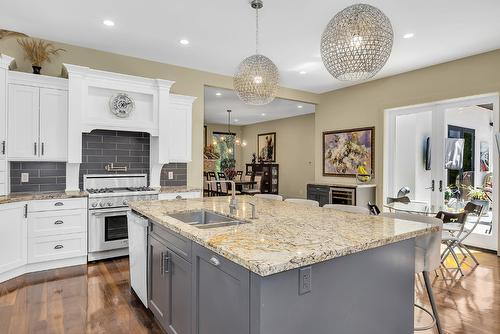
(205, 219)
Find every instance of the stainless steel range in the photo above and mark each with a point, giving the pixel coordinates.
(108, 206)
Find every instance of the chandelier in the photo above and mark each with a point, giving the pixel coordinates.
(356, 43)
(228, 139)
(257, 78)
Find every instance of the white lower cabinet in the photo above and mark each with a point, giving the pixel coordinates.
(57, 229)
(41, 235)
(13, 239)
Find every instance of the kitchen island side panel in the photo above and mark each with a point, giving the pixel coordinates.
(367, 292)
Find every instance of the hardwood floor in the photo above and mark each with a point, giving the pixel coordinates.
(96, 299)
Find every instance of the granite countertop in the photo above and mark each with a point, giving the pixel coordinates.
(177, 189)
(21, 197)
(284, 236)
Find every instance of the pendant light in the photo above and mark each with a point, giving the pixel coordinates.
(357, 43)
(237, 140)
(257, 78)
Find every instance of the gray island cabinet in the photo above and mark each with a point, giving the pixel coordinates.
(193, 290)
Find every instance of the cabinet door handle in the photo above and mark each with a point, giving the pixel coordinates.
(3, 147)
(58, 204)
(161, 263)
(34, 145)
(58, 222)
(58, 247)
(43, 148)
(166, 263)
(441, 186)
(25, 210)
(215, 261)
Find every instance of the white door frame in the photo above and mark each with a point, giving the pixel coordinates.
(390, 135)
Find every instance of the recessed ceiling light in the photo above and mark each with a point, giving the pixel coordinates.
(184, 41)
(408, 35)
(236, 120)
(108, 23)
(218, 93)
(300, 106)
(263, 114)
(302, 72)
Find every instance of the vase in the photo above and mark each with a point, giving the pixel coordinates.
(36, 69)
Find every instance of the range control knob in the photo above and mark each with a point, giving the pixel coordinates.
(110, 203)
(101, 204)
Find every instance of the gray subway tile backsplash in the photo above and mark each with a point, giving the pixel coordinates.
(131, 149)
(43, 176)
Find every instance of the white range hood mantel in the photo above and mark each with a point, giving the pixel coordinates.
(166, 117)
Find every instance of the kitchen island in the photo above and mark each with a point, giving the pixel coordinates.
(292, 270)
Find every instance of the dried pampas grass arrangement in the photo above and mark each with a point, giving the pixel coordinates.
(38, 52)
(4, 34)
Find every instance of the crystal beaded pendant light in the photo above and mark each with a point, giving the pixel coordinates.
(257, 78)
(356, 43)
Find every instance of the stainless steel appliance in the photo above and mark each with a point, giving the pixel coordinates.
(108, 206)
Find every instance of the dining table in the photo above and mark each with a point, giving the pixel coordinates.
(242, 183)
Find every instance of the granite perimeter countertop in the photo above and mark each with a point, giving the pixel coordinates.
(177, 189)
(22, 197)
(284, 236)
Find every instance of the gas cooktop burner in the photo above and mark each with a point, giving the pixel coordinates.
(100, 191)
(140, 189)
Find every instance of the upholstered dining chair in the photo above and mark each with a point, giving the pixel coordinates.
(256, 188)
(427, 259)
(302, 201)
(270, 196)
(347, 208)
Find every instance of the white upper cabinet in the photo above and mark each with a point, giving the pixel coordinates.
(53, 124)
(23, 114)
(180, 128)
(37, 118)
(13, 236)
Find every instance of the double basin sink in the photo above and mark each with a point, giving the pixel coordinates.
(205, 219)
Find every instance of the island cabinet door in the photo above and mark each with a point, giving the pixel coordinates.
(158, 281)
(221, 291)
(179, 317)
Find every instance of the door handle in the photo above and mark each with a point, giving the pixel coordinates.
(432, 186)
(441, 186)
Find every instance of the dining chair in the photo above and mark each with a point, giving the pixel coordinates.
(455, 232)
(374, 210)
(308, 202)
(256, 188)
(427, 259)
(270, 196)
(347, 208)
(239, 175)
(222, 186)
(212, 186)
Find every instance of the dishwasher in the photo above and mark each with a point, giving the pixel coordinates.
(138, 254)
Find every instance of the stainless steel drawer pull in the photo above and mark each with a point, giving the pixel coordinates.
(166, 264)
(58, 247)
(215, 261)
(58, 204)
(178, 197)
(58, 222)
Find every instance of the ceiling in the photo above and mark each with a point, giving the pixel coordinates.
(221, 33)
(218, 101)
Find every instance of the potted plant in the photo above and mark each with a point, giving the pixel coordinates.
(478, 196)
(38, 52)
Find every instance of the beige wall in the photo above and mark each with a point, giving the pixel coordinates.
(294, 151)
(211, 128)
(364, 105)
(188, 82)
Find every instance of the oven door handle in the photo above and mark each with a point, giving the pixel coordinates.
(104, 212)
